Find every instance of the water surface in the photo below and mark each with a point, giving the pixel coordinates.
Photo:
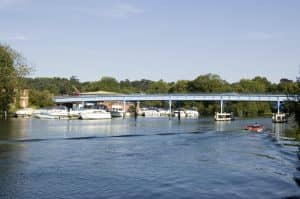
(145, 158)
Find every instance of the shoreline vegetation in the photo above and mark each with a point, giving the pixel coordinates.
(41, 91)
(13, 80)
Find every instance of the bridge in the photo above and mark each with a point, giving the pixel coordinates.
(221, 97)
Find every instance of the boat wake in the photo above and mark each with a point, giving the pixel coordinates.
(14, 141)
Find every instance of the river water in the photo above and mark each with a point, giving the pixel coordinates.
(145, 158)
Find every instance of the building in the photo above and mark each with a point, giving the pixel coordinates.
(24, 98)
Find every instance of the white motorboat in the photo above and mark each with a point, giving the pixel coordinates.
(59, 112)
(191, 113)
(151, 113)
(163, 112)
(154, 112)
(25, 112)
(45, 115)
(117, 111)
(94, 114)
(179, 113)
(75, 113)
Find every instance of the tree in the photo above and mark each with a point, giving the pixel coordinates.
(209, 83)
(159, 87)
(181, 86)
(109, 84)
(105, 84)
(12, 69)
(40, 98)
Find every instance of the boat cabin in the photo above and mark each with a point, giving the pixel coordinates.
(279, 118)
(224, 116)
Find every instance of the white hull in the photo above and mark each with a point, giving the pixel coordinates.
(154, 113)
(180, 114)
(95, 115)
(45, 116)
(224, 116)
(223, 119)
(151, 113)
(187, 114)
(61, 113)
(27, 112)
(117, 113)
(191, 113)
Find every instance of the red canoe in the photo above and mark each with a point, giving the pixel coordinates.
(254, 127)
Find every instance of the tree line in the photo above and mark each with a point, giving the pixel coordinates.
(42, 88)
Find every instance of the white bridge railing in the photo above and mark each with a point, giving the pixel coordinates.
(178, 97)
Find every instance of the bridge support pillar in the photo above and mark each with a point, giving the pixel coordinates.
(278, 106)
(221, 102)
(124, 108)
(136, 109)
(170, 109)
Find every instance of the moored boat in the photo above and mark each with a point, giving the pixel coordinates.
(192, 113)
(180, 113)
(223, 116)
(117, 111)
(279, 118)
(186, 113)
(94, 114)
(25, 112)
(59, 112)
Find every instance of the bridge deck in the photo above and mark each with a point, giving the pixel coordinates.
(177, 97)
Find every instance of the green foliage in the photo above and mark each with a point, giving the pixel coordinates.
(12, 69)
(8, 78)
(181, 86)
(288, 87)
(256, 85)
(40, 98)
(56, 85)
(209, 83)
(158, 87)
(251, 109)
(105, 84)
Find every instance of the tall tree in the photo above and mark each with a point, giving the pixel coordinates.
(12, 69)
(8, 80)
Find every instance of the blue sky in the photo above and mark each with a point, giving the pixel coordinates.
(155, 39)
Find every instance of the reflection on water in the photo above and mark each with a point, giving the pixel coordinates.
(14, 128)
(146, 158)
(221, 125)
(11, 155)
(278, 129)
(281, 132)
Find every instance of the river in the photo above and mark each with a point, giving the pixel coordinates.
(146, 158)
